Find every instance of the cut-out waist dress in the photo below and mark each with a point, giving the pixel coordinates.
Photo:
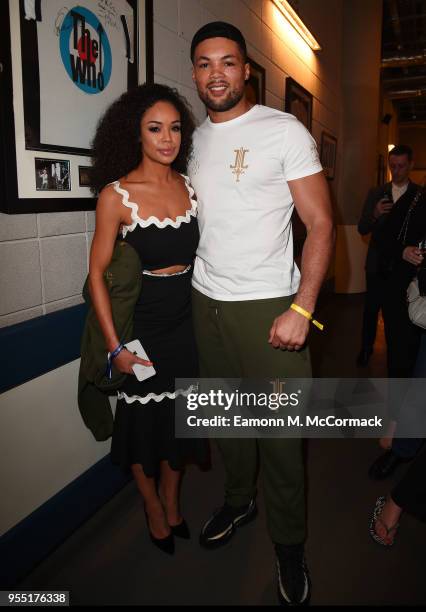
(144, 420)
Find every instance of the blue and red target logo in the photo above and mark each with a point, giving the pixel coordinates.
(85, 50)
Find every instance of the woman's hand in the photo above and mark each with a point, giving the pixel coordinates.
(413, 255)
(125, 360)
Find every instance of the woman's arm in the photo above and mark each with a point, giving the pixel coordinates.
(108, 220)
(107, 225)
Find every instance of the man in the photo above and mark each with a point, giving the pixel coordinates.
(395, 236)
(378, 204)
(250, 164)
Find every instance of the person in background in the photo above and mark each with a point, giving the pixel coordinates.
(409, 495)
(376, 208)
(399, 257)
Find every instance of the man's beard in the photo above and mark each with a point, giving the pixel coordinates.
(221, 106)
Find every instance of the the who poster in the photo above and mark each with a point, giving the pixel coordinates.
(63, 64)
(83, 50)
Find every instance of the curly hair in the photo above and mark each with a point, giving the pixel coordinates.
(116, 145)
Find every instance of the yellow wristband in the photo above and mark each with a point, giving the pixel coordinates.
(307, 315)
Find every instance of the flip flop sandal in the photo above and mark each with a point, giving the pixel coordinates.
(380, 503)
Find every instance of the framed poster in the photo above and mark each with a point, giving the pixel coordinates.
(63, 65)
(255, 86)
(298, 102)
(328, 154)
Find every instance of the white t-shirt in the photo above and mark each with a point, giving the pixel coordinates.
(239, 171)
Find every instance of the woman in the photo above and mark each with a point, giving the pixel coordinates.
(141, 146)
(409, 495)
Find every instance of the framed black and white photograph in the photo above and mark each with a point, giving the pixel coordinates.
(255, 86)
(52, 174)
(85, 176)
(63, 65)
(328, 154)
(298, 102)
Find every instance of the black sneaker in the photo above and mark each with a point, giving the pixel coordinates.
(222, 525)
(294, 587)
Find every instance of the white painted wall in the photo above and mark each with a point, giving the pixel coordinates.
(359, 135)
(44, 443)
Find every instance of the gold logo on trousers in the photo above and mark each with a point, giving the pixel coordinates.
(239, 167)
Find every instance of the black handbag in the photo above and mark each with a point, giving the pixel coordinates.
(392, 246)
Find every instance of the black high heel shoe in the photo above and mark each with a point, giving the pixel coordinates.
(181, 530)
(167, 544)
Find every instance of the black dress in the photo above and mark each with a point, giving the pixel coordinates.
(144, 419)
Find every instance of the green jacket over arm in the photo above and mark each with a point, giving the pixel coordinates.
(123, 279)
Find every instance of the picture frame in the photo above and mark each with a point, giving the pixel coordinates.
(85, 176)
(57, 79)
(298, 102)
(256, 85)
(328, 154)
(52, 174)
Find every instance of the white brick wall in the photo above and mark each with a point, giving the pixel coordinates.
(44, 261)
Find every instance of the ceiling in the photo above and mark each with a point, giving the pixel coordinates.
(403, 71)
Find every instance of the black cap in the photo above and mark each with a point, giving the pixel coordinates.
(219, 29)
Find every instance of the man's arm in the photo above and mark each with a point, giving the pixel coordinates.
(312, 201)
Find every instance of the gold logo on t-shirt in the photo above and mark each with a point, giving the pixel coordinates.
(239, 167)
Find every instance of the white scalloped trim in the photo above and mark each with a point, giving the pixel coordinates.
(149, 273)
(152, 220)
(153, 396)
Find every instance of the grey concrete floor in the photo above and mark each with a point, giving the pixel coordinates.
(111, 561)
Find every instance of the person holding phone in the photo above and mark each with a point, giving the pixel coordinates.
(377, 206)
(399, 260)
(141, 149)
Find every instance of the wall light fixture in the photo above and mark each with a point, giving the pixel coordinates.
(294, 20)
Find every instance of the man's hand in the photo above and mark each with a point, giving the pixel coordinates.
(413, 255)
(382, 207)
(289, 331)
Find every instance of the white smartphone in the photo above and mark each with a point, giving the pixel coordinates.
(141, 372)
